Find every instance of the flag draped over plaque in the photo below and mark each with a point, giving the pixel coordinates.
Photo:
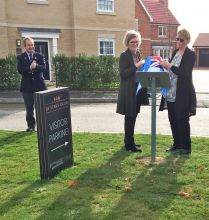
(152, 64)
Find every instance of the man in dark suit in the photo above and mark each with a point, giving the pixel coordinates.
(30, 65)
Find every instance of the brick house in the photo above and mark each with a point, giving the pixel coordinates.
(93, 27)
(70, 27)
(201, 47)
(158, 27)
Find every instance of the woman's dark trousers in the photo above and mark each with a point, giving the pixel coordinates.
(180, 128)
(129, 131)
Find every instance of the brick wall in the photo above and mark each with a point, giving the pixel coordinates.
(144, 28)
(78, 20)
(66, 43)
(3, 30)
(4, 50)
(56, 13)
(171, 33)
(98, 24)
(149, 31)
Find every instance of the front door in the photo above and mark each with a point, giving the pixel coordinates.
(42, 48)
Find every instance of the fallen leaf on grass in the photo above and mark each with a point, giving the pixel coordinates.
(185, 194)
(72, 183)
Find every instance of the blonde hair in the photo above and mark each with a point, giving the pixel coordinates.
(184, 34)
(130, 35)
(27, 38)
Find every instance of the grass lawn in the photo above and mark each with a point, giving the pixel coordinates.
(112, 183)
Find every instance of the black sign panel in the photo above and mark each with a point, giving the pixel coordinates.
(54, 131)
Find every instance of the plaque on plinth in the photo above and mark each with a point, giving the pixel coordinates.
(153, 80)
(54, 131)
(161, 79)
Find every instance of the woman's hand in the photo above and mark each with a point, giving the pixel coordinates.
(165, 64)
(141, 62)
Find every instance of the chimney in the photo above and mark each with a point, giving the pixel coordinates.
(165, 2)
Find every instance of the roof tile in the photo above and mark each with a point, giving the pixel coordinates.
(160, 12)
(202, 40)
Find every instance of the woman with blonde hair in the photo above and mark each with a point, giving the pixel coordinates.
(129, 103)
(181, 97)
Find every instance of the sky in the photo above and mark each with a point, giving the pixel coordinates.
(192, 15)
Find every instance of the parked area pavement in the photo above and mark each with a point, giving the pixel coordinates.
(200, 79)
(101, 118)
(94, 111)
(15, 97)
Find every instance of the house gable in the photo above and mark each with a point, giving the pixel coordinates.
(159, 12)
(202, 40)
(158, 27)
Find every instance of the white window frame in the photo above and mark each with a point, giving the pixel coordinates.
(161, 51)
(106, 40)
(136, 24)
(106, 10)
(41, 2)
(162, 31)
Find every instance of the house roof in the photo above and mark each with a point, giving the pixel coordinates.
(202, 40)
(158, 12)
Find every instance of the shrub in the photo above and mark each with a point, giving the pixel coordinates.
(81, 72)
(9, 77)
(84, 72)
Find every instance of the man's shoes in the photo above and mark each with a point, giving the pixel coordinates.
(172, 149)
(30, 129)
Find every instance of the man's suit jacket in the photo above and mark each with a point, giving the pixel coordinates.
(32, 80)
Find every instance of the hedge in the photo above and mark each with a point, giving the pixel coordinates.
(84, 72)
(81, 72)
(9, 77)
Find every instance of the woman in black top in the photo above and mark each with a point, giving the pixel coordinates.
(181, 97)
(129, 103)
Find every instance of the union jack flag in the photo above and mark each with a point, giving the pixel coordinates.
(152, 64)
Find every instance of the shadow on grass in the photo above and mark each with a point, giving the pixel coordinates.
(12, 137)
(19, 197)
(152, 192)
(91, 183)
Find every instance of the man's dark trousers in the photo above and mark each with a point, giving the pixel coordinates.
(29, 105)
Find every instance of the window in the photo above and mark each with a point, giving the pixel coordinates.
(162, 31)
(163, 52)
(43, 2)
(105, 5)
(106, 46)
(136, 24)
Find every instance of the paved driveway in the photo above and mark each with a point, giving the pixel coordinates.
(103, 119)
(201, 80)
